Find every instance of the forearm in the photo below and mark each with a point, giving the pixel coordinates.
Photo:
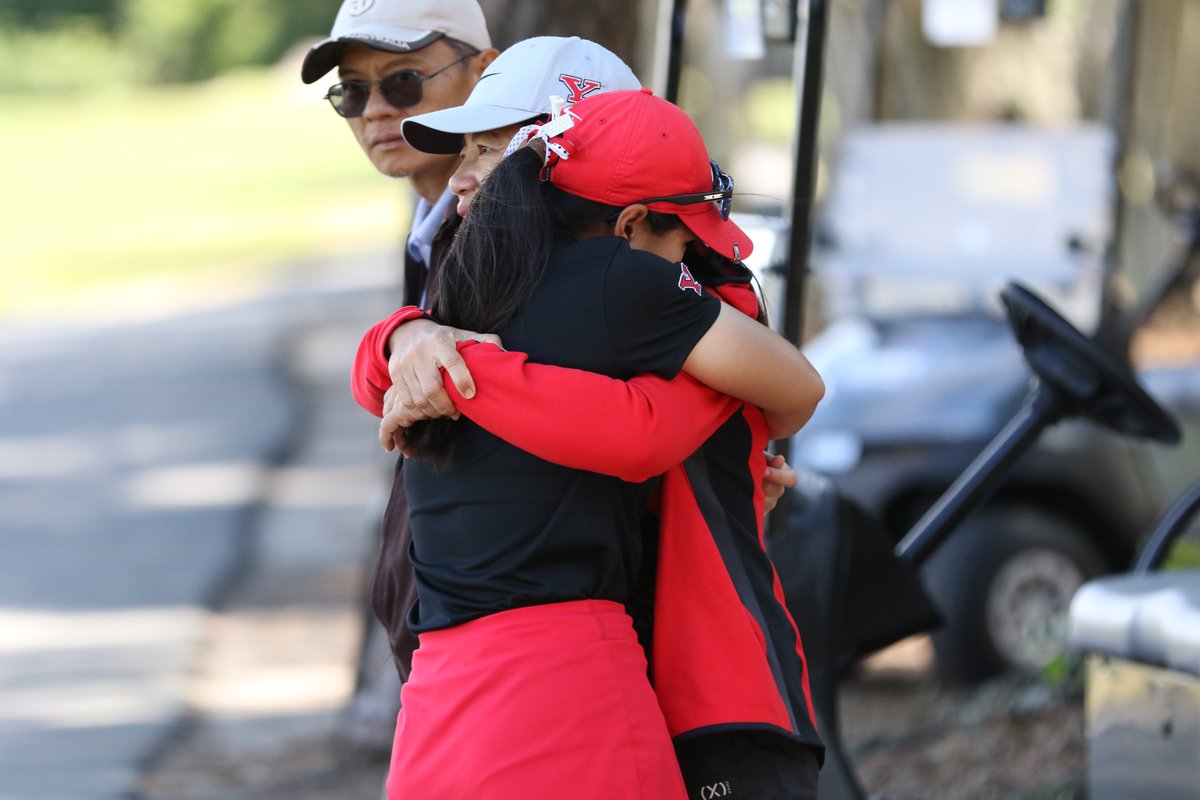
(744, 359)
(630, 429)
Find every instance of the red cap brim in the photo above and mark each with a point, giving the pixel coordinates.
(704, 220)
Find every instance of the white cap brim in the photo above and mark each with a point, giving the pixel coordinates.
(442, 131)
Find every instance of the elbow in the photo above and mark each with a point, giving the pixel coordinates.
(811, 396)
(648, 465)
(817, 390)
(640, 473)
(782, 424)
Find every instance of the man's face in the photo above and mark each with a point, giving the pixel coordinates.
(480, 154)
(378, 129)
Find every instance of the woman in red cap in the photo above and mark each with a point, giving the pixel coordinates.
(529, 680)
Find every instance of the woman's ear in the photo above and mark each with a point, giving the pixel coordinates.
(630, 220)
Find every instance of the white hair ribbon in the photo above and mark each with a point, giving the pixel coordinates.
(562, 119)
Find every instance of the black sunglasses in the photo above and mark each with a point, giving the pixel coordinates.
(721, 194)
(400, 89)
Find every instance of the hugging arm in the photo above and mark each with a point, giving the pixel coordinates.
(633, 429)
(745, 359)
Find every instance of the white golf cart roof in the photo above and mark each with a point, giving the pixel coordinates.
(933, 218)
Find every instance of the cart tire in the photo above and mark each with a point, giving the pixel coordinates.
(1004, 582)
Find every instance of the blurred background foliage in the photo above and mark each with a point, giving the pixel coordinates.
(170, 145)
(75, 45)
(86, 44)
(163, 135)
(169, 148)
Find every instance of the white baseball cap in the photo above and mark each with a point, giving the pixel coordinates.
(396, 26)
(517, 86)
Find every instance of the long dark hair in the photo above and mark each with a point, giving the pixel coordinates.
(496, 261)
(500, 251)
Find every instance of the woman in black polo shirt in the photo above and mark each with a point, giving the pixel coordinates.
(529, 680)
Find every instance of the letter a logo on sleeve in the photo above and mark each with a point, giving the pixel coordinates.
(686, 281)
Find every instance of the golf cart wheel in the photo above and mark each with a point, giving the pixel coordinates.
(1004, 582)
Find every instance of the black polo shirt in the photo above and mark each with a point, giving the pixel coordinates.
(500, 528)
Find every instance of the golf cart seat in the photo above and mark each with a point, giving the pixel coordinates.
(849, 596)
(847, 591)
(1149, 619)
(1141, 633)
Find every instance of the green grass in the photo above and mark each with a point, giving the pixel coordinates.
(1185, 554)
(231, 177)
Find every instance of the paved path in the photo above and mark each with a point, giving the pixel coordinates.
(148, 471)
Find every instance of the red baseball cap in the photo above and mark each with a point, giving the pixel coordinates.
(631, 147)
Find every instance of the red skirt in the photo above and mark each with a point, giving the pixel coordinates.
(548, 701)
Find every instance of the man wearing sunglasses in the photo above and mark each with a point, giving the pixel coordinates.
(395, 59)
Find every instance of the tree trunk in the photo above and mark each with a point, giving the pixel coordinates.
(612, 23)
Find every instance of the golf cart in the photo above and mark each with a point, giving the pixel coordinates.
(859, 576)
(921, 371)
(1140, 631)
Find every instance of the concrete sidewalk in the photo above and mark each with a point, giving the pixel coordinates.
(271, 683)
(187, 510)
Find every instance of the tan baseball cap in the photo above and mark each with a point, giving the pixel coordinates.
(396, 26)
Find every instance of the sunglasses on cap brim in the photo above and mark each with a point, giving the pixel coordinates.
(402, 89)
(721, 194)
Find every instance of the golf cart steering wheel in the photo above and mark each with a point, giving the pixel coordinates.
(1084, 377)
